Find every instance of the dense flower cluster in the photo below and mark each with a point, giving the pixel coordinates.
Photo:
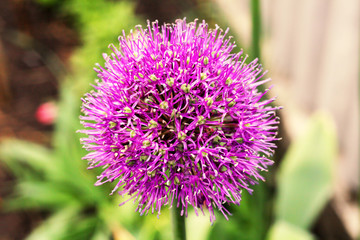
(177, 119)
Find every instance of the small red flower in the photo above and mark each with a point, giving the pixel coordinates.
(46, 113)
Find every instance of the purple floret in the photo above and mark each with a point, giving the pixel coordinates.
(177, 119)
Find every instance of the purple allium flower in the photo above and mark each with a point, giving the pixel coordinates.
(176, 118)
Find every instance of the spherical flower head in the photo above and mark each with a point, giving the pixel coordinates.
(177, 119)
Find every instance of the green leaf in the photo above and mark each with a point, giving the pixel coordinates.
(306, 174)
(249, 221)
(44, 195)
(56, 226)
(69, 223)
(101, 232)
(83, 227)
(66, 141)
(284, 231)
(197, 227)
(17, 154)
(153, 228)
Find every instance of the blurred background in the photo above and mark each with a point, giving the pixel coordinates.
(47, 51)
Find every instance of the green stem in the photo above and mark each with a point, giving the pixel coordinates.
(256, 34)
(256, 28)
(178, 223)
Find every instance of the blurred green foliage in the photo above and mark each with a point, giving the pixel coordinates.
(283, 230)
(56, 180)
(99, 23)
(305, 179)
(306, 176)
(51, 180)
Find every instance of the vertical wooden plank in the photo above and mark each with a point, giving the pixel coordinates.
(237, 12)
(308, 37)
(279, 40)
(338, 79)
